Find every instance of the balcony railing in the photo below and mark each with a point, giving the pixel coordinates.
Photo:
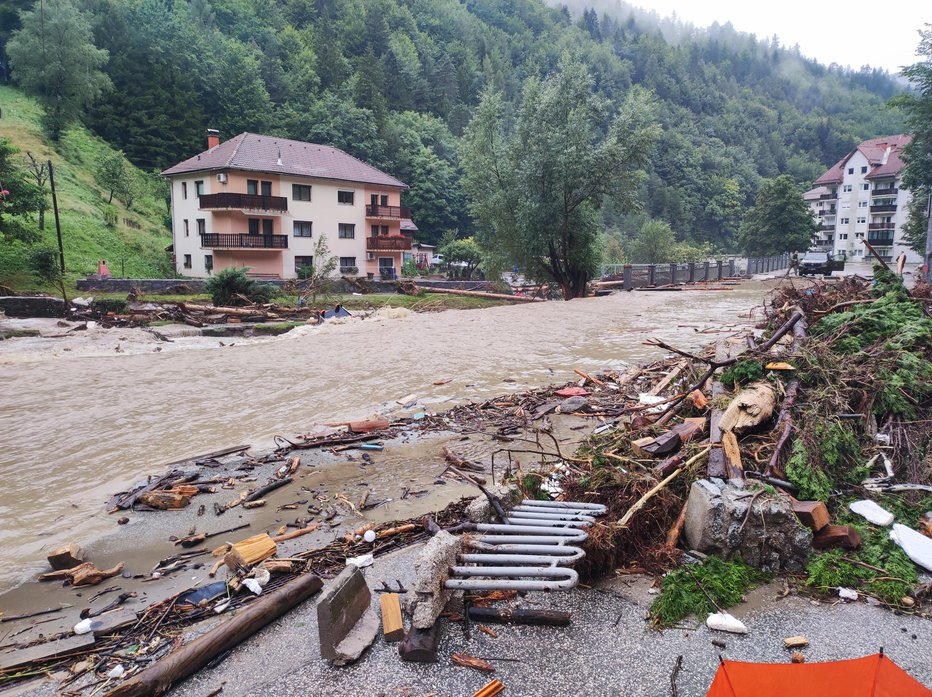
(880, 226)
(827, 212)
(252, 202)
(880, 240)
(885, 208)
(889, 191)
(826, 228)
(828, 197)
(393, 212)
(388, 243)
(213, 240)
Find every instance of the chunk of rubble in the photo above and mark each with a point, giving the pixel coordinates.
(432, 565)
(871, 511)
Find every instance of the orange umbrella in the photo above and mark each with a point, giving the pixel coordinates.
(871, 676)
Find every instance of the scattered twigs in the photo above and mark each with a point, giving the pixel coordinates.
(676, 671)
(786, 419)
(623, 522)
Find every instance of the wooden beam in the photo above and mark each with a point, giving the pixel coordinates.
(392, 625)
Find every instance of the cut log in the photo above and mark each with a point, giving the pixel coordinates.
(164, 500)
(667, 466)
(392, 625)
(833, 536)
(478, 294)
(176, 666)
(420, 645)
(751, 407)
(66, 557)
(812, 514)
(295, 533)
(277, 566)
(548, 618)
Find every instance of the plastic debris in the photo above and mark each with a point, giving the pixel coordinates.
(116, 672)
(724, 622)
(847, 594)
(870, 510)
(645, 398)
(361, 561)
(84, 626)
(369, 536)
(917, 547)
(253, 585)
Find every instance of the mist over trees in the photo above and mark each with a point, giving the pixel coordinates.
(397, 83)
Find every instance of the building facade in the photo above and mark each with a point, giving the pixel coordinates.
(262, 203)
(859, 198)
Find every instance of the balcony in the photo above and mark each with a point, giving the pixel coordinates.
(826, 228)
(243, 202)
(830, 211)
(387, 212)
(214, 240)
(388, 243)
(885, 208)
(880, 240)
(889, 191)
(880, 226)
(828, 197)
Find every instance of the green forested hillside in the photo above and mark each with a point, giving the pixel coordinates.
(395, 82)
(135, 240)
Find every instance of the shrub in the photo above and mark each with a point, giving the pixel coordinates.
(231, 285)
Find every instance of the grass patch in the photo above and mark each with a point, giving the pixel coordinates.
(725, 581)
(17, 333)
(742, 373)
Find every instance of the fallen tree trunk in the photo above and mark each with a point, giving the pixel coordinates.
(477, 294)
(175, 667)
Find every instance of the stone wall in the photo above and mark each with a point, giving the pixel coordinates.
(179, 286)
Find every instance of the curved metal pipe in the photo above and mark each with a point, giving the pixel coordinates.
(600, 508)
(548, 523)
(549, 540)
(519, 512)
(573, 534)
(567, 578)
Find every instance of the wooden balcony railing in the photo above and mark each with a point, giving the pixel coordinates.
(252, 202)
(889, 191)
(880, 226)
(393, 212)
(213, 240)
(885, 208)
(388, 243)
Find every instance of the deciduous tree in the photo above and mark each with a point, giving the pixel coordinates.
(53, 57)
(779, 221)
(536, 183)
(18, 197)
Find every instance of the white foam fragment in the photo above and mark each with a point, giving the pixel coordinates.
(724, 622)
(917, 547)
(870, 510)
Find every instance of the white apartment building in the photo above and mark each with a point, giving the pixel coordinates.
(261, 203)
(860, 197)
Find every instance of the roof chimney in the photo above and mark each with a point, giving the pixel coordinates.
(886, 155)
(213, 138)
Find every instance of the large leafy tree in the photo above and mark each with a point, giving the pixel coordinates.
(917, 175)
(536, 183)
(779, 221)
(53, 57)
(18, 197)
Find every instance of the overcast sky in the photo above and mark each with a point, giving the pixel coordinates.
(882, 34)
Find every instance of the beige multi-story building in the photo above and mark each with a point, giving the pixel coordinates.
(262, 202)
(860, 197)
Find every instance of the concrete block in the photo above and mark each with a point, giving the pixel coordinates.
(347, 625)
(429, 596)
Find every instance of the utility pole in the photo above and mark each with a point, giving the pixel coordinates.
(927, 262)
(61, 247)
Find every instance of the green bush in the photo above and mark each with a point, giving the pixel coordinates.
(114, 305)
(231, 285)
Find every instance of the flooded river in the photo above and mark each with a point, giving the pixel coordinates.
(78, 426)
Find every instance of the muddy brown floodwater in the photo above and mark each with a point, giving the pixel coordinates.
(75, 428)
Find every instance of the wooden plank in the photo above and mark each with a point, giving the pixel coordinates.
(43, 652)
(392, 625)
(812, 514)
(111, 621)
(733, 467)
(832, 536)
(668, 378)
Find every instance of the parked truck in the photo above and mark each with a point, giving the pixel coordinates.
(815, 263)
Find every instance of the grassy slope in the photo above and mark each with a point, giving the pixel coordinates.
(81, 206)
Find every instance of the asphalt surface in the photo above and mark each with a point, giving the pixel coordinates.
(608, 649)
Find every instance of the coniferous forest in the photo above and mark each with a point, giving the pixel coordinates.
(396, 83)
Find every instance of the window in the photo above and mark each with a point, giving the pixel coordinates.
(199, 187)
(267, 226)
(201, 226)
(845, 206)
(209, 262)
(865, 187)
(383, 200)
(266, 188)
(304, 266)
(187, 261)
(843, 236)
(184, 189)
(252, 187)
(253, 226)
(845, 221)
(851, 170)
(302, 228)
(377, 230)
(862, 220)
(347, 231)
(846, 188)
(864, 169)
(348, 265)
(862, 204)
(187, 230)
(300, 192)
(346, 197)
(858, 235)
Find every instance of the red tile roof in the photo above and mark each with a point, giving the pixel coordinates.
(874, 150)
(252, 152)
